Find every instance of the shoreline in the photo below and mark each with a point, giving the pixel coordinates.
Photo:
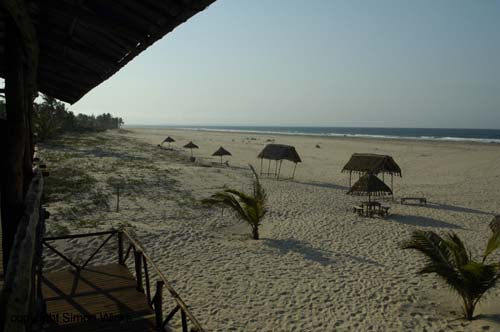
(452, 140)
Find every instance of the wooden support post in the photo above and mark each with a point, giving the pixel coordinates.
(158, 303)
(279, 170)
(146, 276)
(184, 321)
(118, 198)
(14, 155)
(350, 179)
(138, 270)
(261, 161)
(120, 248)
(294, 167)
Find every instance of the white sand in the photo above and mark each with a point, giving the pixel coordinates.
(317, 267)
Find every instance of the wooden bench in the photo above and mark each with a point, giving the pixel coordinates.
(420, 200)
(358, 209)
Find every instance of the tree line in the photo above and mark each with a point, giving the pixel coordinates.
(52, 118)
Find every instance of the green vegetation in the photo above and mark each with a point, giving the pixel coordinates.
(448, 258)
(250, 208)
(51, 118)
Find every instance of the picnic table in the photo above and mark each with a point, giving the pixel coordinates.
(371, 209)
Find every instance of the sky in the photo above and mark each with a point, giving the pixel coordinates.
(370, 63)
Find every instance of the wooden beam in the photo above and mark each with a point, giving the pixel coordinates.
(13, 168)
(19, 14)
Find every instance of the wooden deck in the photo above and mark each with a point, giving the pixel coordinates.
(101, 298)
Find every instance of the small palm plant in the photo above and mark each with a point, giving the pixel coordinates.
(250, 208)
(449, 259)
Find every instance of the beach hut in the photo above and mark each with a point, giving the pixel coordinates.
(169, 140)
(221, 152)
(278, 153)
(363, 163)
(191, 146)
(370, 185)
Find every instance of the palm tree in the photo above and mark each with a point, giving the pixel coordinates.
(250, 208)
(448, 258)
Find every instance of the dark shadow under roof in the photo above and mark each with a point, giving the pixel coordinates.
(280, 152)
(370, 184)
(83, 43)
(372, 163)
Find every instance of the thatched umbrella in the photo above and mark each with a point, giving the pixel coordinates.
(221, 152)
(369, 184)
(191, 146)
(169, 140)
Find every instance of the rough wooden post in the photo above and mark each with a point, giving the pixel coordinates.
(13, 168)
(158, 303)
(184, 321)
(138, 270)
(120, 248)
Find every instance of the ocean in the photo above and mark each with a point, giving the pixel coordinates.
(445, 134)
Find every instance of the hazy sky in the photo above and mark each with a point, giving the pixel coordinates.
(406, 63)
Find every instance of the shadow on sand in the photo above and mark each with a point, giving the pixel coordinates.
(309, 253)
(324, 185)
(421, 221)
(495, 318)
(447, 207)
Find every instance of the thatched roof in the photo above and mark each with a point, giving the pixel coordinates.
(83, 43)
(191, 145)
(370, 184)
(372, 163)
(280, 152)
(169, 140)
(221, 152)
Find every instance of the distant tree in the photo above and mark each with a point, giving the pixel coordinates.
(51, 118)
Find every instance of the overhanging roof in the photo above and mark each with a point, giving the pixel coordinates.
(84, 42)
(372, 163)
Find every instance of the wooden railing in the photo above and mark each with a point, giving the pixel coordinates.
(143, 267)
(21, 299)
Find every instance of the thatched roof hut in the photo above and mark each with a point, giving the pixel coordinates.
(278, 153)
(372, 163)
(370, 185)
(362, 163)
(221, 152)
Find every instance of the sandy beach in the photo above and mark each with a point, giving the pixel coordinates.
(317, 266)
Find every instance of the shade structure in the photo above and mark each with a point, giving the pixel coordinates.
(83, 43)
(169, 140)
(221, 152)
(191, 146)
(278, 153)
(370, 185)
(362, 163)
